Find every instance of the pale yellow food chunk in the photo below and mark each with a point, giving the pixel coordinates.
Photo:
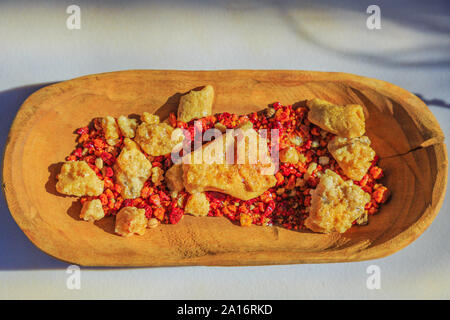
(174, 178)
(354, 156)
(153, 223)
(289, 155)
(127, 126)
(130, 220)
(197, 204)
(345, 121)
(111, 130)
(157, 175)
(150, 118)
(78, 179)
(238, 176)
(196, 104)
(92, 210)
(132, 169)
(335, 204)
(156, 139)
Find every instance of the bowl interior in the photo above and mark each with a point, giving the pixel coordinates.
(43, 134)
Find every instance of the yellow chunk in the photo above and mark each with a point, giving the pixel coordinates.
(335, 204)
(92, 210)
(239, 176)
(289, 155)
(354, 156)
(132, 169)
(130, 220)
(197, 205)
(111, 130)
(78, 179)
(245, 220)
(157, 175)
(156, 139)
(127, 126)
(150, 118)
(196, 104)
(345, 121)
(174, 178)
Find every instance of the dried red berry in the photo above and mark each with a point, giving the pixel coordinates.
(128, 202)
(83, 130)
(175, 215)
(148, 211)
(109, 172)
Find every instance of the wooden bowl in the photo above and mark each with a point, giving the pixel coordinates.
(404, 133)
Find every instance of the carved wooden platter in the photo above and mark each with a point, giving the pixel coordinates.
(403, 130)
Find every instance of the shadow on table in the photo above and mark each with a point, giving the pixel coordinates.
(433, 102)
(17, 252)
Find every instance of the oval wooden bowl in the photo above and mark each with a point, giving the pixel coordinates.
(404, 133)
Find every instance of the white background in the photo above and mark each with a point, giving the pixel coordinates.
(411, 50)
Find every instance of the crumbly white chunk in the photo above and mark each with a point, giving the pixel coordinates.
(78, 179)
(92, 210)
(127, 126)
(130, 220)
(132, 169)
(354, 156)
(335, 204)
(197, 204)
(111, 130)
(156, 139)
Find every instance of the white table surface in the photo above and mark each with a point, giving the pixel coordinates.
(412, 50)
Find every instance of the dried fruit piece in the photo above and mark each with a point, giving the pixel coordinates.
(176, 215)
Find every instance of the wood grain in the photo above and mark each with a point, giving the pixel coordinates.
(403, 130)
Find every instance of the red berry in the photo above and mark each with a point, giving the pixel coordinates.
(83, 130)
(155, 200)
(148, 211)
(175, 215)
(128, 203)
(109, 172)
